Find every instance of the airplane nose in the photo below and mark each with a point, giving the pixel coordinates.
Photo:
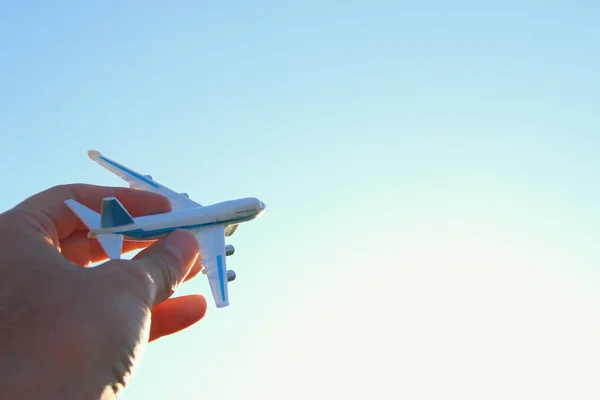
(262, 205)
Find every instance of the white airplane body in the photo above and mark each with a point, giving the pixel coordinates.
(210, 224)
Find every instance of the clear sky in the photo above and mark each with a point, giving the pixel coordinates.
(430, 172)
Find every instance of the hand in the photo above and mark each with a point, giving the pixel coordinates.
(69, 332)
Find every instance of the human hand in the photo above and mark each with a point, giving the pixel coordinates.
(69, 332)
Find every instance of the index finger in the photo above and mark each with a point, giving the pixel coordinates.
(51, 204)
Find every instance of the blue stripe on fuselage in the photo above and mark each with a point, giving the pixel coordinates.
(155, 233)
(121, 167)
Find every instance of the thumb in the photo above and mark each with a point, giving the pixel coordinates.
(167, 263)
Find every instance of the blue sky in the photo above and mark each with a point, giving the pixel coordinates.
(430, 172)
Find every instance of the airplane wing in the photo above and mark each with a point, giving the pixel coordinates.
(179, 201)
(212, 250)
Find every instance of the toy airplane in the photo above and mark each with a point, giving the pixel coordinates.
(210, 224)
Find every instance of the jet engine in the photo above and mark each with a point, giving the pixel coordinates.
(229, 250)
(230, 275)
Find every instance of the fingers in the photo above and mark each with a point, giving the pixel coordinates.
(51, 204)
(81, 250)
(176, 314)
(164, 265)
(195, 270)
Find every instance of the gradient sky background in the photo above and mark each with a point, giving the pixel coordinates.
(430, 172)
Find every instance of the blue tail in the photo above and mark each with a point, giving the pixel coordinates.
(114, 214)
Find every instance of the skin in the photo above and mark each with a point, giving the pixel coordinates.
(71, 332)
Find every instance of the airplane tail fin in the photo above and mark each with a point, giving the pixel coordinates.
(111, 243)
(114, 214)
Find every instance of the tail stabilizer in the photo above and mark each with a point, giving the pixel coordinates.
(111, 243)
(90, 218)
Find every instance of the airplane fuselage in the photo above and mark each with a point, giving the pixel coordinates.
(151, 227)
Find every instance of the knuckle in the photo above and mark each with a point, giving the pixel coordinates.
(132, 277)
(157, 276)
(167, 278)
(139, 274)
(152, 280)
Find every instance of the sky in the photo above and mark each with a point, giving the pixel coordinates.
(430, 172)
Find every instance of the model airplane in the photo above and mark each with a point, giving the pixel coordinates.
(210, 224)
